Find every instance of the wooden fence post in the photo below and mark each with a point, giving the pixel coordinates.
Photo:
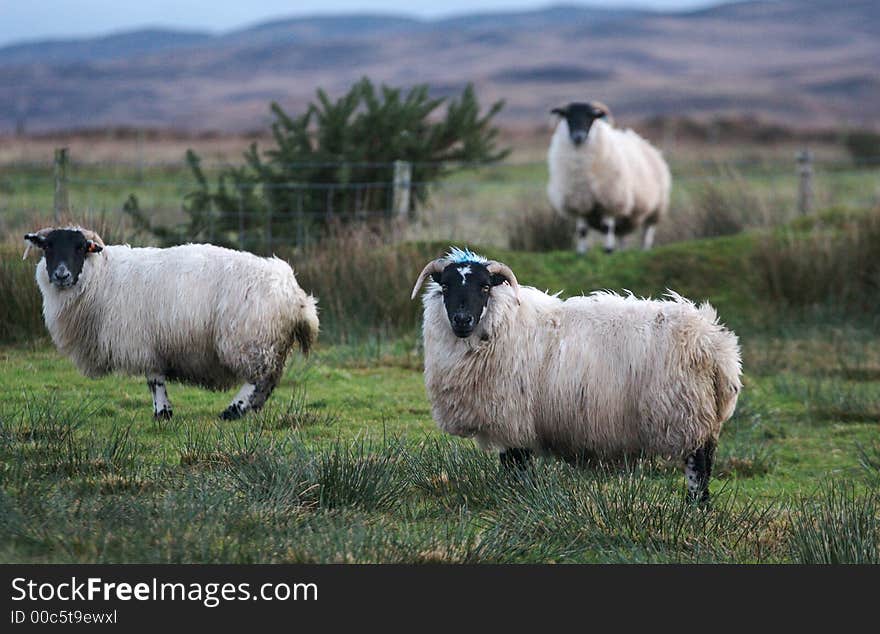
(402, 185)
(62, 202)
(805, 186)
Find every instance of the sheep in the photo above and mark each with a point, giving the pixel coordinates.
(609, 179)
(601, 376)
(195, 313)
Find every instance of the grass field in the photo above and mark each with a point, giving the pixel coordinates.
(345, 465)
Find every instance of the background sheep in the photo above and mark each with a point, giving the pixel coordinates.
(609, 179)
(602, 375)
(196, 313)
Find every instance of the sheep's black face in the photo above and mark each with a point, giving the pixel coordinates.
(65, 251)
(579, 117)
(466, 287)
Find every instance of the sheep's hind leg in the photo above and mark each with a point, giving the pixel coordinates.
(582, 233)
(162, 409)
(251, 396)
(516, 459)
(698, 472)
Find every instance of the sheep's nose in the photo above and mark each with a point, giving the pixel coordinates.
(578, 137)
(62, 275)
(462, 320)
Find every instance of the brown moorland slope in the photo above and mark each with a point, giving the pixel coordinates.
(798, 62)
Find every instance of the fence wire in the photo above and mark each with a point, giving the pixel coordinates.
(474, 200)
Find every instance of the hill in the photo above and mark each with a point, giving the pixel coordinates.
(804, 63)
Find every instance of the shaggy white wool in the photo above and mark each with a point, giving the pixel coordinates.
(608, 374)
(194, 313)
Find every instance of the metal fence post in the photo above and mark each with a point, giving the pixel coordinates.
(402, 185)
(62, 203)
(805, 185)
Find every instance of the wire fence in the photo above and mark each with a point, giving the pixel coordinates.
(475, 201)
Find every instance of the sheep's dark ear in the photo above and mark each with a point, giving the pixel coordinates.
(562, 112)
(93, 247)
(436, 276)
(497, 279)
(36, 239)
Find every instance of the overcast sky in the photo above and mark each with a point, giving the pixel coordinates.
(23, 20)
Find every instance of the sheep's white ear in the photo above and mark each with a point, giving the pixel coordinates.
(33, 239)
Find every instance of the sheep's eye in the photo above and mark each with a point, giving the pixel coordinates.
(486, 289)
(444, 288)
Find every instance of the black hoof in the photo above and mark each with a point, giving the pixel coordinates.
(165, 414)
(233, 412)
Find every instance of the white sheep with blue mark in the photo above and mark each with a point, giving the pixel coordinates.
(602, 375)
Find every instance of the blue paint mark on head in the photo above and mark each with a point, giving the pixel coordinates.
(461, 256)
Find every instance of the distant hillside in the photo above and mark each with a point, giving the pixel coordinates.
(118, 46)
(800, 62)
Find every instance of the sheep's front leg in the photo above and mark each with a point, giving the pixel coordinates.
(516, 459)
(162, 409)
(648, 237)
(251, 396)
(698, 472)
(582, 232)
(610, 236)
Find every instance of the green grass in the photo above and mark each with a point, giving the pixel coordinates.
(345, 464)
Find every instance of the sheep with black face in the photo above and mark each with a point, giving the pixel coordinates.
(607, 179)
(195, 313)
(605, 375)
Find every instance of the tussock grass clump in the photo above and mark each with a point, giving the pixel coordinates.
(21, 312)
(834, 264)
(363, 282)
(719, 202)
(869, 459)
(840, 526)
(540, 229)
(456, 474)
(722, 208)
(45, 439)
(357, 475)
